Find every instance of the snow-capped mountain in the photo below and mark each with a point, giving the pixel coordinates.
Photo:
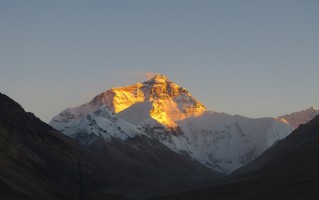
(301, 117)
(168, 102)
(164, 111)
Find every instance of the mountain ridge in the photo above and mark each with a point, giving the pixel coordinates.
(300, 117)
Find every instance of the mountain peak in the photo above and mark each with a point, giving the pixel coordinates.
(312, 108)
(158, 78)
(170, 102)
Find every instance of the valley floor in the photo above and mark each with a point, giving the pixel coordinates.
(298, 185)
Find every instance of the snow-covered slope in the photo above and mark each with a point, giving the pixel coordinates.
(301, 117)
(162, 110)
(101, 122)
(225, 142)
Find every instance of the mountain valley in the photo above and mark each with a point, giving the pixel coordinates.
(153, 139)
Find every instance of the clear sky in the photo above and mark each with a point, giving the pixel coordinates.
(255, 58)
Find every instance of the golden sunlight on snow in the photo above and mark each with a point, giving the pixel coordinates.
(124, 97)
(284, 121)
(170, 102)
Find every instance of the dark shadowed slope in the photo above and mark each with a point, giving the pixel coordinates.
(298, 152)
(288, 170)
(150, 168)
(38, 162)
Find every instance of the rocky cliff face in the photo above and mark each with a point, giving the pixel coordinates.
(169, 101)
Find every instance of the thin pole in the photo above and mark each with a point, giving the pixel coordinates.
(82, 196)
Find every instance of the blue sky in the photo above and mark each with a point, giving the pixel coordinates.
(254, 58)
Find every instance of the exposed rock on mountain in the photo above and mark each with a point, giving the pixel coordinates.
(301, 117)
(168, 101)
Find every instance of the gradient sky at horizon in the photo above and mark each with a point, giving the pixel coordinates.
(254, 58)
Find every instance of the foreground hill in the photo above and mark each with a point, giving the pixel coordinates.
(38, 162)
(288, 170)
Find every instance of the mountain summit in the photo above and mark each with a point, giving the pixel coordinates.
(167, 101)
(164, 111)
(158, 78)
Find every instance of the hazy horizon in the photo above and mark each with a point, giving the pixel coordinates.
(253, 58)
